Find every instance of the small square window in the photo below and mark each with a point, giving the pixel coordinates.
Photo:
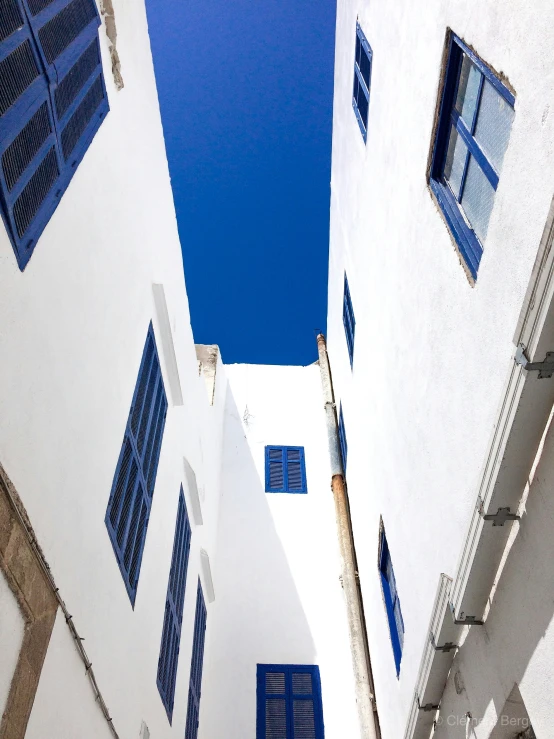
(362, 80)
(285, 469)
(475, 119)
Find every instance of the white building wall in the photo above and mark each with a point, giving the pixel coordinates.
(74, 324)
(431, 351)
(278, 594)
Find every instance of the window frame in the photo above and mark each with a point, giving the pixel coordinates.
(348, 320)
(390, 599)
(468, 243)
(285, 488)
(261, 696)
(137, 456)
(357, 74)
(196, 665)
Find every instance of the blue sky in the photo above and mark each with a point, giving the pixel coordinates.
(245, 90)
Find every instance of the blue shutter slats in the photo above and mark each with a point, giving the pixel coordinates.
(348, 320)
(392, 602)
(289, 702)
(52, 102)
(197, 662)
(128, 509)
(285, 470)
(173, 617)
(342, 440)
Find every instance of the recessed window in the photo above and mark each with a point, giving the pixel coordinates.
(52, 102)
(362, 80)
(348, 320)
(135, 475)
(342, 439)
(289, 702)
(285, 469)
(392, 601)
(475, 120)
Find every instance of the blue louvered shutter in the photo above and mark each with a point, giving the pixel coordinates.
(133, 486)
(342, 440)
(296, 471)
(274, 468)
(31, 163)
(173, 617)
(52, 101)
(289, 702)
(348, 320)
(196, 666)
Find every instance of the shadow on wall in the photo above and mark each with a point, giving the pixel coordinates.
(258, 616)
(496, 657)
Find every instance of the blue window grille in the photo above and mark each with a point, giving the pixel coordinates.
(362, 80)
(348, 320)
(285, 469)
(52, 101)
(475, 119)
(173, 617)
(197, 662)
(392, 602)
(342, 439)
(135, 475)
(289, 702)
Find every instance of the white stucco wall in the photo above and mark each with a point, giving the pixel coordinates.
(431, 352)
(74, 325)
(278, 594)
(12, 628)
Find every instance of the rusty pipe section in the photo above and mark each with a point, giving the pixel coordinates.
(365, 699)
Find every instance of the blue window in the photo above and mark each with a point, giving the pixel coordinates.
(475, 119)
(362, 80)
(173, 617)
(289, 702)
(135, 475)
(52, 102)
(348, 320)
(342, 439)
(392, 602)
(197, 662)
(285, 469)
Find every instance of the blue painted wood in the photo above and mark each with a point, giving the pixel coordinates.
(392, 601)
(196, 666)
(40, 54)
(348, 320)
(130, 499)
(468, 243)
(173, 618)
(285, 469)
(288, 702)
(342, 440)
(363, 59)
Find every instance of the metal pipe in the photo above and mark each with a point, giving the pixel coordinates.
(365, 698)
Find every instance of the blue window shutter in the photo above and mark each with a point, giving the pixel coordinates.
(49, 108)
(197, 662)
(342, 439)
(173, 617)
(289, 702)
(362, 80)
(348, 320)
(392, 602)
(285, 469)
(130, 500)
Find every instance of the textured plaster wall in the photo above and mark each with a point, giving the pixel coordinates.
(431, 352)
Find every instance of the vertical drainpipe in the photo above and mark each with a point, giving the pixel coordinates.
(365, 699)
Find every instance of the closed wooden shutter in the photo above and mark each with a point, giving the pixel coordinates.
(348, 320)
(289, 702)
(285, 470)
(133, 486)
(173, 617)
(196, 666)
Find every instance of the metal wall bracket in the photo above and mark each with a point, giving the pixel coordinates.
(545, 368)
(447, 647)
(468, 621)
(427, 707)
(501, 516)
